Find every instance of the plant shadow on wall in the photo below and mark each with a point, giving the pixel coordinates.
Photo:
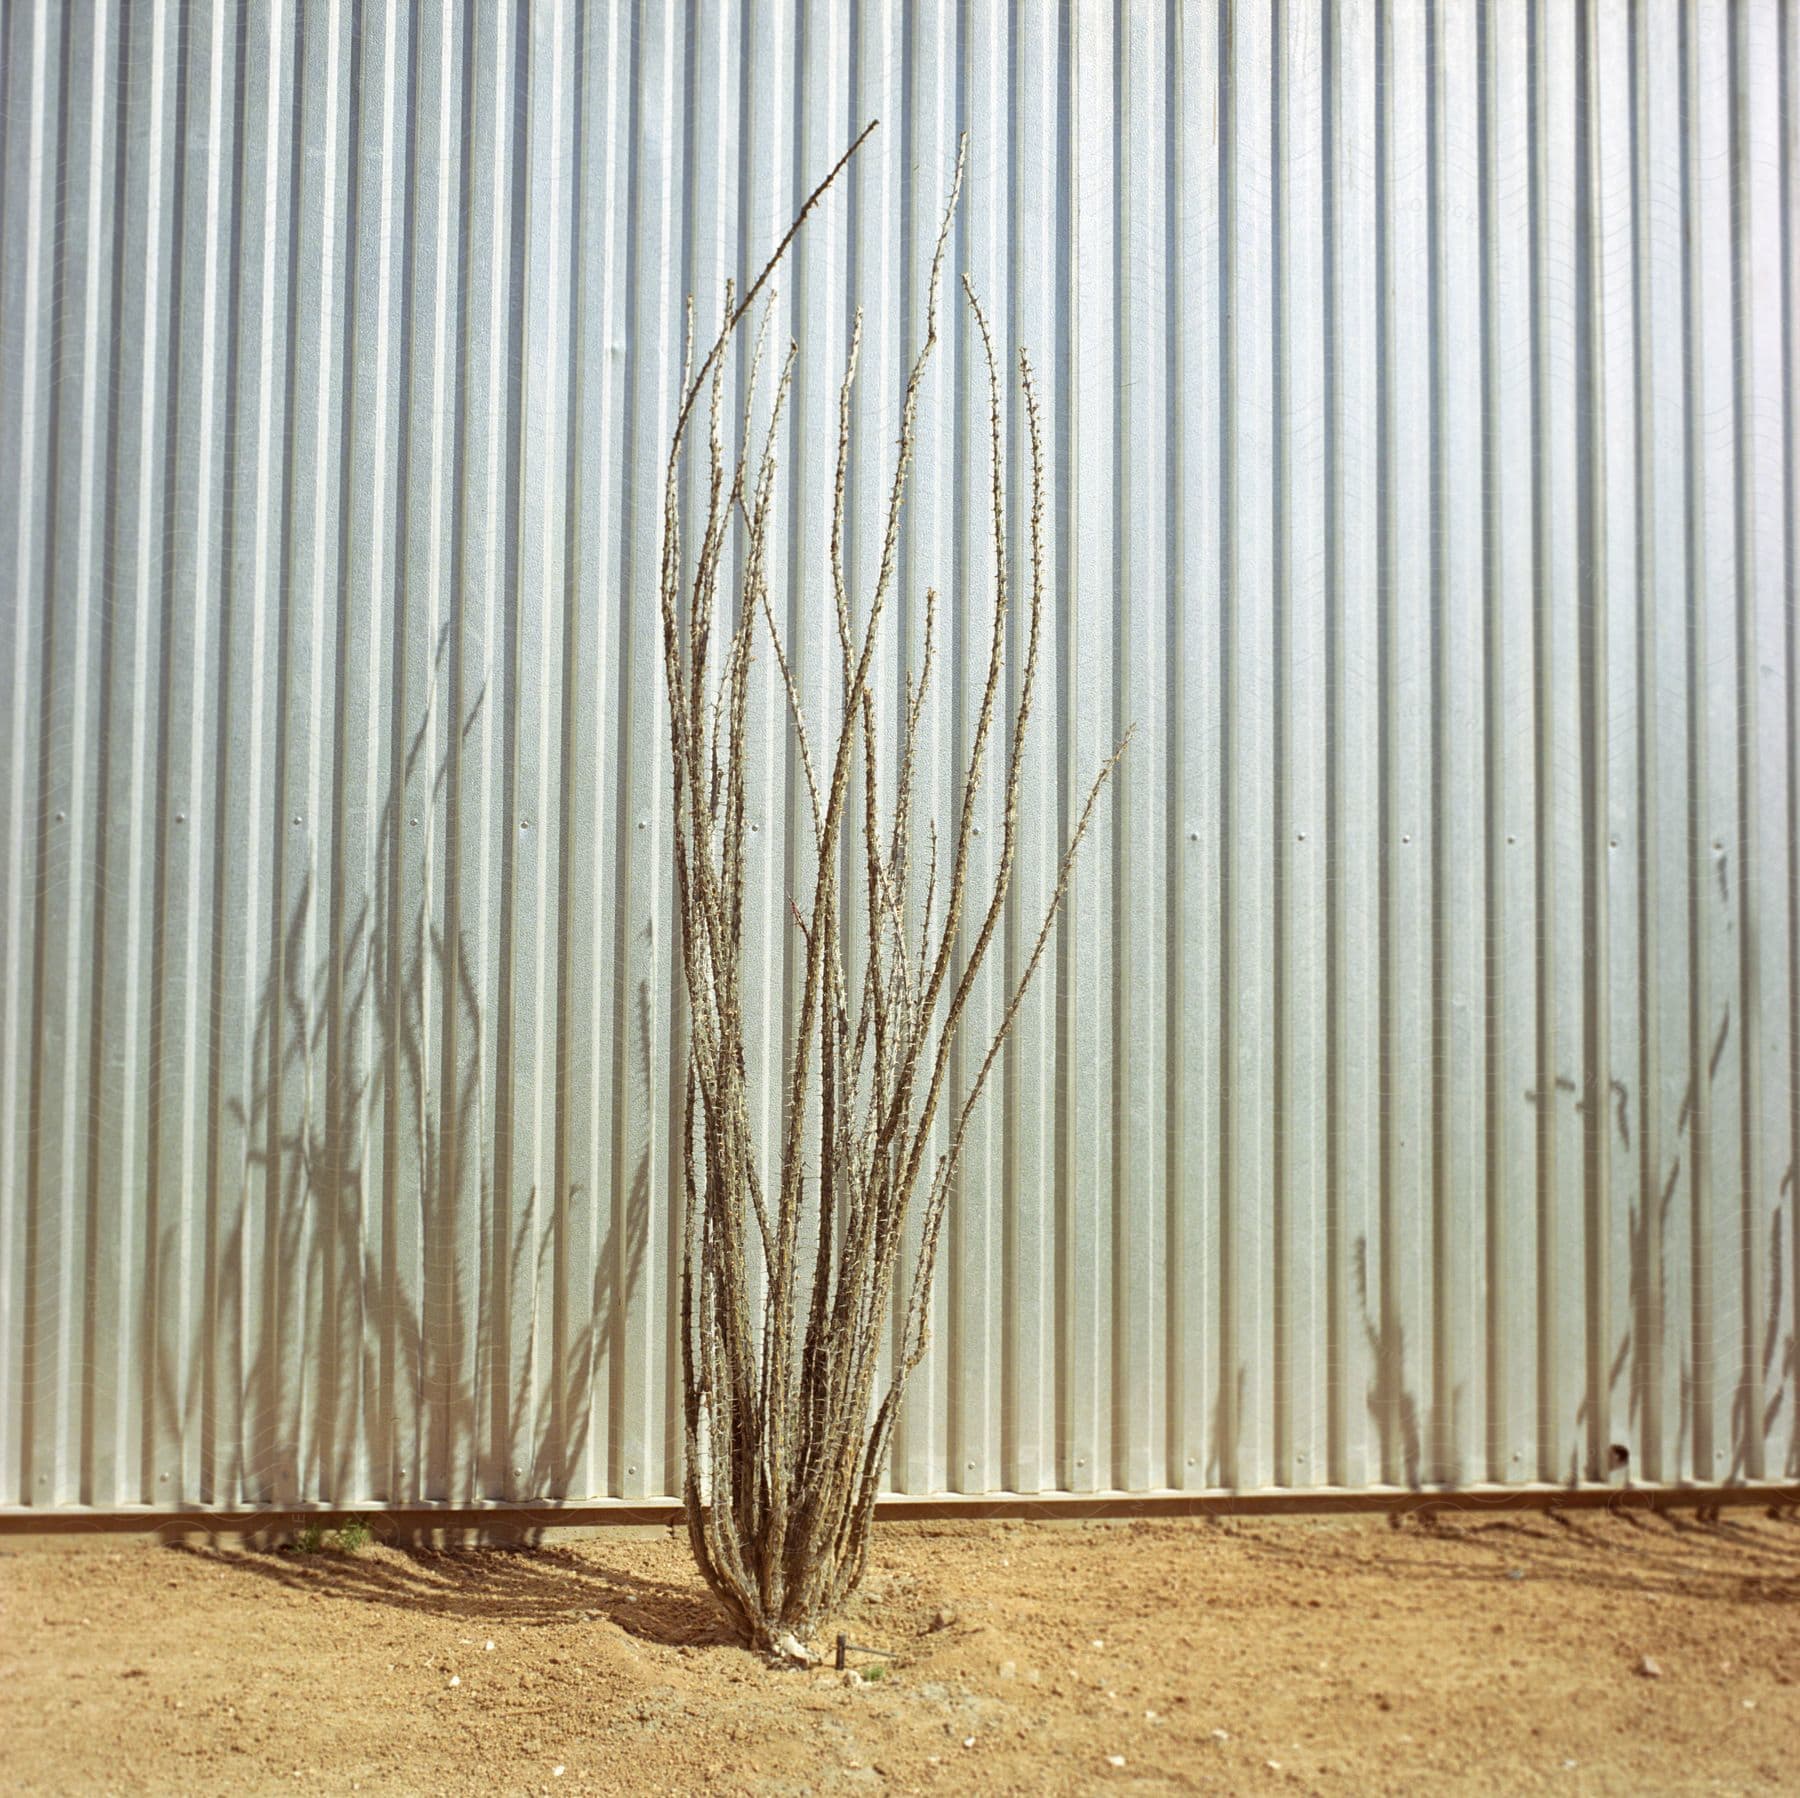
(1767, 1364)
(395, 1267)
(1762, 1387)
(1393, 1408)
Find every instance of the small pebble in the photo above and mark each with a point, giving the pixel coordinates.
(1220, 1735)
(556, 1772)
(456, 1679)
(1115, 1760)
(490, 1647)
(1648, 1668)
(968, 1741)
(1096, 1643)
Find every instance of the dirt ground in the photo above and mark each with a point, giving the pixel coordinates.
(1501, 1654)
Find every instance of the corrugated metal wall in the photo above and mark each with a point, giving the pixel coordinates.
(1413, 1095)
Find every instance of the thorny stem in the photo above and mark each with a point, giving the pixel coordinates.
(786, 1436)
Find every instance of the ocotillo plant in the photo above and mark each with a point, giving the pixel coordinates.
(786, 1436)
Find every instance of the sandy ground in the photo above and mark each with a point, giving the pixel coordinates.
(1480, 1654)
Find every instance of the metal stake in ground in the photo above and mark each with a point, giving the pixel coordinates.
(846, 1646)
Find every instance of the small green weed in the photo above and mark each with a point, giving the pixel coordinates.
(355, 1536)
(315, 1538)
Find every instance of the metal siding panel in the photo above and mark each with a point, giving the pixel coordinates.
(1619, 709)
(813, 137)
(118, 1098)
(1411, 1093)
(593, 1228)
(1353, 876)
(539, 628)
(303, 1145)
(188, 800)
(645, 1455)
(164, 544)
(765, 206)
(1141, 800)
(1460, 1395)
(1195, 1344)
(247, 970)
(1787, 151)
(1512, 1318)
(1760, 1434)
(872, 285)
(1247, 1270)
(1564, 602)
(135, 553)
(27, 386)
(61, 1020)
(420, 1325)
(1457, 1443)
(1399, 1319)
(972, 1276)
(1028, 1076)
(1302, 1372)
(1716, 864)
(1086, 928)
(351, 1188)
(482, 685)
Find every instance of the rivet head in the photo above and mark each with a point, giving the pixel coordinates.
(1405, 838)
(631, 1470)
(296, 819)
(181, 817)
(414, 822)
(524, 823)
(60, 816)
(1300, 836)
(1193, 836)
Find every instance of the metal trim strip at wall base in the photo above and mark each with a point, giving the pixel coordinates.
(447, 1525)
